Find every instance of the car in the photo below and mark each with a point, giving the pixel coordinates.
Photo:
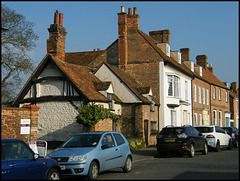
(217, 137)
(234, 133)
(87, 154)
(180, 139)
(18, 161)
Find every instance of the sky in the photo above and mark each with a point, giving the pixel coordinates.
(205, 27)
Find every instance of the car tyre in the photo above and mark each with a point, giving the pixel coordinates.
(191, 152)
(230, 144)
(128, 165)
(205, 149)
(93, 171)
(53, 174)
(217, 149)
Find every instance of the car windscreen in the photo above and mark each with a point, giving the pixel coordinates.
(205, 129)
(176, 131)
(83, 140)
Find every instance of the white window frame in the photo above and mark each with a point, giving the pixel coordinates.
(219, 94)
(186, 90)
(214, 93)
(207, 92)
(195, 119)
(195, 92)
(199, 95)
(200, 120)
(226, 96)
(173, 86)
(173, 117)
(203, 91)
(215, 117)
(220, 118)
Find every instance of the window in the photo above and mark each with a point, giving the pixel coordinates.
(226, 96)
(195, 119)
(195, 92)
(108, 141)
(173, 118)
(200, 119)
(219, 94)
(215, 117)
(220, 118)
(186, 90)
(110, 97)
(203, 95)
(152, 103)
(153, 127)
(119, 139)
(207, 92)
(214, 93)
(199, 95)
(173, 86)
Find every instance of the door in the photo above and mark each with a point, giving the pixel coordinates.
(146, 132)
(110, 155)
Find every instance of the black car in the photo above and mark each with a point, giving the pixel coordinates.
(234, 133)
(185, 139)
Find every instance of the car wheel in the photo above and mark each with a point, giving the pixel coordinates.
(128, 165)
(53, 174)
(93, 171)
(205, 149)
(230, 144)
(191, 153)
(217, 149)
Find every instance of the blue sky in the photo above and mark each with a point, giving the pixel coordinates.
(207, 28)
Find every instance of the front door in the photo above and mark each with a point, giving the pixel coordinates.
(146, 132)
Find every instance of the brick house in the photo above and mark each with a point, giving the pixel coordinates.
(63, 82)
(209, 94)
(234, 104)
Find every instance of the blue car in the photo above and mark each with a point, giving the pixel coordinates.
(19, 162)
(88, 154)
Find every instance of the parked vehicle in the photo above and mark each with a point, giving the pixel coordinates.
(216, 136)
(20, 162)
(88, 154)
(185, 139)
(234, 133)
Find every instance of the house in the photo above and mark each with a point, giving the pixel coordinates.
(234, 104)
(63, 82)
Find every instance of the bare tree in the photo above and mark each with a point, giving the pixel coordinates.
(17, 39)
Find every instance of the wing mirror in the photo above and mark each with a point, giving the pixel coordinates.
(35, 156)
(104, 146)
(200, 134)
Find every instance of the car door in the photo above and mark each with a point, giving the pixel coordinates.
(19, 162)
(109, 154)
(198, 139)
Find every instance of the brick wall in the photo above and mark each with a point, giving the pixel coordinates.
(11, 122)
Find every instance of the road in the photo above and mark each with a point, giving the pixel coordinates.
(147, 165)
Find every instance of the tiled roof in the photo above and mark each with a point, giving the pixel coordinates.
(83, 79)
(102, 85)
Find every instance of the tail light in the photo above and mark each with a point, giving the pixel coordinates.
(210, 136)
(233, 135)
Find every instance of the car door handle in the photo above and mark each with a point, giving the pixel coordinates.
(116, 149)
(12, 165)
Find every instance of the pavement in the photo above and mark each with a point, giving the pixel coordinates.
(138, 155)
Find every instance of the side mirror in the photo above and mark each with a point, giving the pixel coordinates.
(35, 156)
(104, 146)
(200, 134)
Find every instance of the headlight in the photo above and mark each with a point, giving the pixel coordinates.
(77, 158)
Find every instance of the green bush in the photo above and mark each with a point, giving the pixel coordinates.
(136, 143)
(90, 114)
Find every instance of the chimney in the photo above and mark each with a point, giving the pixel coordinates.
(210, 68)
(234, 87)
(185, 54)
(56, 41)
(161, 36)
(202, 60)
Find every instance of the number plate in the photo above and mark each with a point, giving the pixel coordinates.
(170, 140)
(62, 167)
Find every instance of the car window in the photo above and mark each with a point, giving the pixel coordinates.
(119, 139)
(108, 140)
(176, 131)
(17, 150)
(83, 140)
(204, 129)
(195, 131)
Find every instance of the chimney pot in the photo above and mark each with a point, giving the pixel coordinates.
(56, 17)
(122, 9)
(94, 49)
(61, 19)
(130, 11)
(134, 10)
(98, 49)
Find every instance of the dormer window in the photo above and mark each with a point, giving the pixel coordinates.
(110, 97)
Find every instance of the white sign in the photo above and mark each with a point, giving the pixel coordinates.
(33, 146)
(25, 126)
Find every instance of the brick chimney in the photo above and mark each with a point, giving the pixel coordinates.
(234, 87)
(202, 60)
(161, 36)
(56, 41)
(185, 54)
(127, 24)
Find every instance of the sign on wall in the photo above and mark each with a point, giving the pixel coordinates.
(25, 126)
